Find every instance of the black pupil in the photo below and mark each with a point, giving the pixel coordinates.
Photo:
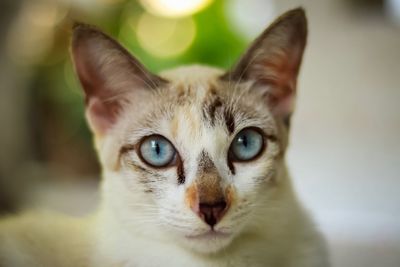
(243, 140)
(157, 147)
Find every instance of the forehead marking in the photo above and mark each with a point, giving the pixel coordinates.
(216, 107)
(229, 120)
(212, 90)
(180, 94)
(211, 108)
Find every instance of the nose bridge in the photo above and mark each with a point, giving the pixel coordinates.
(210, 189)
(208, 180)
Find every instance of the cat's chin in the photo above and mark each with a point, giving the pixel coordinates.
(208, 242)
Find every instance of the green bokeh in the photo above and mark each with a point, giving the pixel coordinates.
(215, 44)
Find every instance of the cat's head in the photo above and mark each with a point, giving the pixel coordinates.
(194, 154)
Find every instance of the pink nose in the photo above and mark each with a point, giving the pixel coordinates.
(212, 213)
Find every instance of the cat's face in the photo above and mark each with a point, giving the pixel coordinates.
(197, 125)
(193, 154)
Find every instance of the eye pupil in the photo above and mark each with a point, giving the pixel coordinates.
(157, 147)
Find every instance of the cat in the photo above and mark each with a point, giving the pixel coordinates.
(193, 163)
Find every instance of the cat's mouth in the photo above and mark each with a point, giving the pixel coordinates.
(211, 234)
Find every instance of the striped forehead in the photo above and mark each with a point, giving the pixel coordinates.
(197, 109)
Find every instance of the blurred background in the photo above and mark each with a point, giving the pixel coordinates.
(345, 150)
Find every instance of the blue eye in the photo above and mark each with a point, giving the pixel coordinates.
(157, 151)
(247, 145)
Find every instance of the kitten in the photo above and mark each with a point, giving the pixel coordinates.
(193, 164)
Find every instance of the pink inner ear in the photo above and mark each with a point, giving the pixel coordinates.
(101, 116)
(279, 75)
(279, 99)
(281, 71)
(284, 107)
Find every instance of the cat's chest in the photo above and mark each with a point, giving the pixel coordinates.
(155, 255)
(164, 259)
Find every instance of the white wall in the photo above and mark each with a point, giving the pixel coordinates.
(345, 149)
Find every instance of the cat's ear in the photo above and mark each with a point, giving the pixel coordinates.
(108, 75)
(273, 61)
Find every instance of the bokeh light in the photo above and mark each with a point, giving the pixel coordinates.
(250, 19)
(174, 8)
(164, 37)
(44, 13)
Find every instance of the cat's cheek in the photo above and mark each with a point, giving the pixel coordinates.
(260, 175)
(173, 211)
